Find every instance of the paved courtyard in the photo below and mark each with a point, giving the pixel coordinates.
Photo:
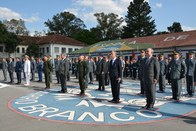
(33, 108)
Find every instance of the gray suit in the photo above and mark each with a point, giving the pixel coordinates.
(5, 68)
(163, 72)
(11, 71)
(140, 74)
(33, 68)
(150, 72)
(190, 76)
(56, 64)
(63, 67)
(91, 67)
(51, 71)
(177, 72)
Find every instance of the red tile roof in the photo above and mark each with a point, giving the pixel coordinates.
(59, 39)
(187, 38)
(26, 40)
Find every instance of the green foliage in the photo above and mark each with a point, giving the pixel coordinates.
(138, 20)
(176, 27)
(32, 50)
(65, 23)
(109, 26)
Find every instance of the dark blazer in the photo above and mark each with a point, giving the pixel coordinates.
(178, 69)
(11, 66)
(47, 67)
(115, 69)
(63, 67)
(141, 67)
(151, 69)
(18, 67)
(4, 65)
(101, 65)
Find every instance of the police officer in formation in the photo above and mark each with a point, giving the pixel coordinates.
(92, 68)
(63, 67)
(4, 68)
(82, 74)
(47, 71)
(162, 74)
(11, 70)
(107, 70)
(39, 69)
(33, 68)
(191, 74)
(18, 70)
(56, 66)
(177, 72)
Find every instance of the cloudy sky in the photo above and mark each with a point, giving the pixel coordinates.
(36, 12)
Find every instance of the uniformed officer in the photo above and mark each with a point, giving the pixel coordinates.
(63, 73)
(162, 74)
(56, 65)
(18, 70)
(82, 72)
(51, 63)
(11, 70)
(190, 75)
(177, 72)
(47, 70)
(135, 68)
(33, 68)
(4, 68)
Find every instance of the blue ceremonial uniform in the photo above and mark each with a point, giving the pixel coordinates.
(18, 70)
(40, 70)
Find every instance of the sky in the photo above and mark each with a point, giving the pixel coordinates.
(36, 12)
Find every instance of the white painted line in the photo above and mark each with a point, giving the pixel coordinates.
(3, 85)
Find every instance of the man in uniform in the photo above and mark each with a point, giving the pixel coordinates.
(150, 77)
(18, 70)
(140, 71)
(51, 63)
(92, 67)
(56, 65)
(47, 70)
(191, 74)
(11, 70)
(163, 72)
(177, 72)
(4, 68)
(33, 68)
(82, 72)
(63, 73)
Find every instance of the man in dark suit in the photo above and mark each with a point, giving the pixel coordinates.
(47, 70)
(11, 70)
(56, 66)
(115, 72)
(177, 72)
(100, 70)
(150, 77)
(107, 70)
(191, 74)
(33, 68)
(140, 71)
(91, 70)
(18, 70)
(63, 67)
(162, 74)
(82, 74)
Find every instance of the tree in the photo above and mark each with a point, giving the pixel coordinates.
(138, 20)
(16, 26)
(176, 27)
(32, 50)
(65, 23)
(162, 32)
(109, 25)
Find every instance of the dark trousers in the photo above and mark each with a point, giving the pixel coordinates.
(82, 83)
(176, 85)
(18, 75)
(47, 79)
(101, 80)
(11, 74)
(57, 76)
(162, 82)
(190, 85)
(40, 75)
(142, 86)
(32, 75)
(5, 75)
(150, 90)
(68, 75)
(107, 79)
(91, 76)
(63, 83)
(134, 73)
(115, 85)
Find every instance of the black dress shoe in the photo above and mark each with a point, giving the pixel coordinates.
(112, 101)
(47, 88)
(98, 89)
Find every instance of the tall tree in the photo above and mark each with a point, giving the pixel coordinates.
(109, 25)
(138, 20)
(65, 23)
(176, 27)
(16, 26)
(32, 50)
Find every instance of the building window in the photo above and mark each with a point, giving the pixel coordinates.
(40, 50)
(76, 49)
(18, 50)
(47, 49)
(43, 50)
(63, 50)
(1, 48)
(23, 50)
(70, 50)
(56, 49)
